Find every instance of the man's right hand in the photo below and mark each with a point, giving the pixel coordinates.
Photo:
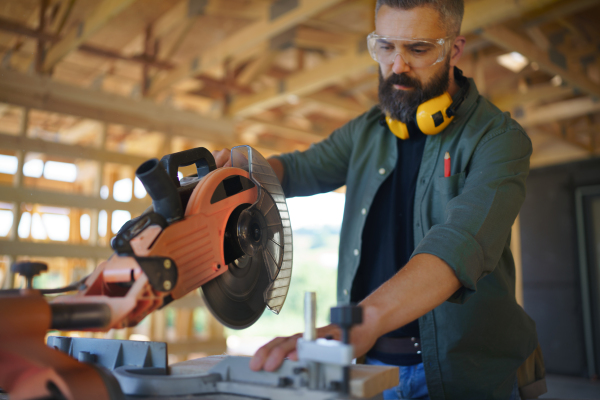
(222, 157)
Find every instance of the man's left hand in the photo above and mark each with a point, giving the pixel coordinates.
(270, 356)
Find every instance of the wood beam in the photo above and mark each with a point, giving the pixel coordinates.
(44, 94)
(347, 105)
(58, 199)
(287, 132)
(10, 26)
(559, 111)
(106, 10)
(545, 92)
(242, 39)
(31, 249)
(22, 143)
(303, 83)
(552, 62)
(480, 13)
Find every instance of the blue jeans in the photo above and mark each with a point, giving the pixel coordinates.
(412, 382)
(413, 385)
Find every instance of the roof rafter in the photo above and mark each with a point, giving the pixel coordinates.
(106, 10)
(551, 61)
(249, 36)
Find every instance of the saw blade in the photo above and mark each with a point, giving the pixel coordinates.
(261, 234)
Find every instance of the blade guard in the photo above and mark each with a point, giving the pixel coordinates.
(271, 204)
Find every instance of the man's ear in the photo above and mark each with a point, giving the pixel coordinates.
(458, 47)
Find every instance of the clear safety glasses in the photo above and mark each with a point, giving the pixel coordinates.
(417, 53)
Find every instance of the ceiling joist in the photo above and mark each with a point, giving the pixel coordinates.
(249, 36)
(103, 13)
(551, 61)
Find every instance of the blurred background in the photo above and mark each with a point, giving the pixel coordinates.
(89, 89)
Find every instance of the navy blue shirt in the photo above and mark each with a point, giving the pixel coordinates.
(387, 238)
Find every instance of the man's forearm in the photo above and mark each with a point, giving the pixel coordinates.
(423, 284)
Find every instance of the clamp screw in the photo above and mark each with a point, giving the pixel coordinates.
(167, 285)
(167, 263)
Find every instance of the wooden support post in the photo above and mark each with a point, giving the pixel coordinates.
(41, 44)
(18, 179)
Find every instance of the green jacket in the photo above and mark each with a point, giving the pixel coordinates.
(474, 342)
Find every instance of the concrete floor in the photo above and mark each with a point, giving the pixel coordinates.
(572, 388)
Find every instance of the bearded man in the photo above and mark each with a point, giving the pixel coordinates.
(425, 252)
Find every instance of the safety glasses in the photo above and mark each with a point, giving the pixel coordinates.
(417, 53)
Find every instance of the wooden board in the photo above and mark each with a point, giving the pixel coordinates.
(365, 380)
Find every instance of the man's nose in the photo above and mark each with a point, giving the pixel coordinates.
(399, 65)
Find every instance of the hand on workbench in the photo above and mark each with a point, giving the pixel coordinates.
(271, 355)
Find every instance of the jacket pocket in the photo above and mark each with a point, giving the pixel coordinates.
(450, 187)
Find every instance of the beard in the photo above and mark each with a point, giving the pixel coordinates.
(402, 105)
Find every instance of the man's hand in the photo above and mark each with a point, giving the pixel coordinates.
(271, 355)
(222, 157)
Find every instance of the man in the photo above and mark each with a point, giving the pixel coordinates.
(417, 245)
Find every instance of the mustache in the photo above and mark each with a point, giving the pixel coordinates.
(402, 80)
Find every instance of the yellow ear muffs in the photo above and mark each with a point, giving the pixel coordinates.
(398, 128)
(432, 116)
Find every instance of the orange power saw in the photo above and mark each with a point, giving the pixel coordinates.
(226, 230)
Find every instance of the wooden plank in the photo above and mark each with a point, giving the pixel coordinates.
(44, 94)
(303, 83)
(366, 381)
(106, 10)
(53, 249)
(58, 199)
(509, 40)
(559, 111)
(12, 142)
(247, 37)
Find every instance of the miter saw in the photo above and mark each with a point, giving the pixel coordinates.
(226, 230)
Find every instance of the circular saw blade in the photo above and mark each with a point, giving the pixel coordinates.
(236, 298)
(260, 276)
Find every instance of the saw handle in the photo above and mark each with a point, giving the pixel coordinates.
(204, 160)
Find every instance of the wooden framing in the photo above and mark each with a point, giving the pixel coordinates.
(559, 111)
(22, 143)
(78, 34)
(47, 95)
(554, 65)
(241, 40)
(33, 249)
(303, 83)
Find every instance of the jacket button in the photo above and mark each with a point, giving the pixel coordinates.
(356, 252)
(381, 171)
(345, 292)
(363, 211)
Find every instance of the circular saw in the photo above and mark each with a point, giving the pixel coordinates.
(226, 230)
(257, 249)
